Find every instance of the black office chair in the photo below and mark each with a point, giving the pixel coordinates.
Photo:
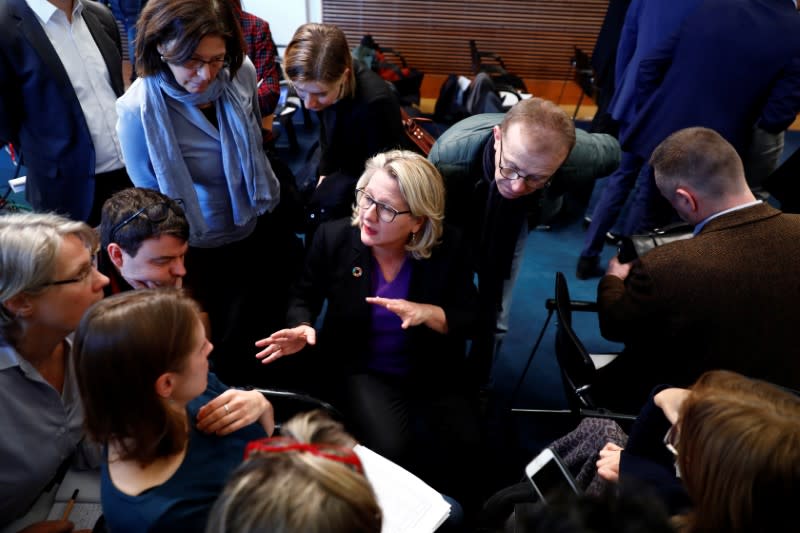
(583, 77)
(496, 69)
(288, 403)
(577, 366)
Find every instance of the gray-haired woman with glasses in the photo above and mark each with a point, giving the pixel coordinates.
(401, 304)
(47, 281)
(190, 127)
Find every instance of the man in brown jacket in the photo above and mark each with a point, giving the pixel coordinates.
(726, 298)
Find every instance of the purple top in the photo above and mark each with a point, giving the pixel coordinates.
(388, 343)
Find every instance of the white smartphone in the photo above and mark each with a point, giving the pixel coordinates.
(550, 477)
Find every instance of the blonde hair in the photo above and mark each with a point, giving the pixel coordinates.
(739, 454)
(320, 53)
(29, 244)
(421, 186)
(297, 491)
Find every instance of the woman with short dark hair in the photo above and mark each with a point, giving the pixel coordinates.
(190, 127)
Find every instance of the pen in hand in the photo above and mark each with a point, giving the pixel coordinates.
(70, 505)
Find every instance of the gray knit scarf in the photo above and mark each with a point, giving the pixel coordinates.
(240, 142)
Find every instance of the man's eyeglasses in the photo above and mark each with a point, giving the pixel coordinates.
(82, 276)
(512, 174)
(154, 213)
(386, 213)
(339, 454)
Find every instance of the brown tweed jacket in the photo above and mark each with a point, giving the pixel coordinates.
(727, 298)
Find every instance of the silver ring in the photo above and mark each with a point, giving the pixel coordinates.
(227, 411)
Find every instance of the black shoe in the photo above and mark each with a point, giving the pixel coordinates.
(589, 267)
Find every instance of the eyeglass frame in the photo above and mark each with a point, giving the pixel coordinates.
(378, 206)
(80, 278)
(529, 180)
(671, 440)
(169, 203)
(340, 454)
(224, 63)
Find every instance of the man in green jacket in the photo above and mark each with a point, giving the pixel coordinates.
(500, 170)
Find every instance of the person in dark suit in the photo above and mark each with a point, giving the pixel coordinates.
(719, 300)
(648, 23)
(732, 67)
(401, 304)
(60, 76)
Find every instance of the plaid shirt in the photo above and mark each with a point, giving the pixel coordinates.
(263, 54)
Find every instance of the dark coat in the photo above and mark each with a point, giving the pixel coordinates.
(724, 299)
(339, 269)
(40, 113)
(732, 65)
(354, 129)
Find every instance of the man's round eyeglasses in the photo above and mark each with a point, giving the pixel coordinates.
(155, 213)
(386, 212)
(513, 174)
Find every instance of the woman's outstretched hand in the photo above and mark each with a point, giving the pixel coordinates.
(285, 342)
(412, 313)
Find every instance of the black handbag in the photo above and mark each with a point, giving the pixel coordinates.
(637, 246)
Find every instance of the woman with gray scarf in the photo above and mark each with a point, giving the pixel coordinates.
(190, 128)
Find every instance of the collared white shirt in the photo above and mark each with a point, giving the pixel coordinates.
(699, 227)
(89, 76)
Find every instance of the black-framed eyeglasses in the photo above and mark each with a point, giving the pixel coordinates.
(154, 213)
(512, 173)
(82, 276)
(386, 212)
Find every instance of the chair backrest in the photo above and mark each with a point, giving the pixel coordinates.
(478, 65)
(578, 372)
(584, 74)
(289, 403)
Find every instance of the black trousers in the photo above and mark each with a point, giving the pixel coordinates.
(105, 185)
(431, 431)
(246, 299)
